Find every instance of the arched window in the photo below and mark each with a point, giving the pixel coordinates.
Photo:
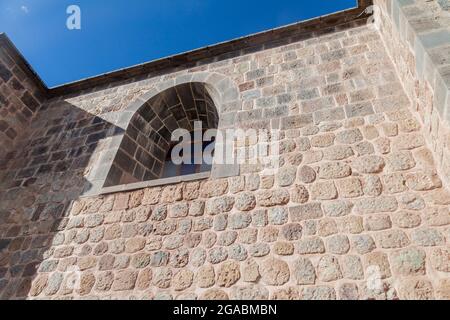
(196, 163)
(144, 153)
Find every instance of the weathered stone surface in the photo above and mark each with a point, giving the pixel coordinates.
(290, 293)
(171, 194)
(393, 239)
(151, 196)
(159, 259)
(422, 181)
(53, 283)
(237, 252)
(144, 279)
(124, 280)
(351, 224)
(322, 141)
(178, 210)
(162, 278)
(286, 176)
(248, 236)
(260, 218)
(274, 272)
(408, 141)
(304, 272)
(416, 289)
(394, 183)
(278, 216)
(219, 205)
(217, 255)
(283, 248)
(239, 220)
(299, 194)
(141, 260)
(267, 182)
(334, 170)
(440, 259)
(196, 208)
(310, 245)
(319, 293)
(439, 216)
(39, 285)
(328, 269)
(326, 227)
(191, 190)
(338, 244)
(306, 174)
(227, 238)
(237, 184)
(400, 161)
(269, 234)
(214, 188)
(259, 249)
(87, 281)
(198, 257)
(309, 227)
(374, 205)
(272, 198)
(104, 281)
(349, 136)
(306, 212)
(323, 191)
(379, 262)
(250, 271)
(372, 186)
(340, 152)
(364, 148)
(250, 292)
(352, 267)
(363, 244)
(228, 274)
(410, 201)
(443, 289)
(245, 202)
(406, 219)
(350, 188)
(205, 277)
(377, 222)
(408, 262)
(348, 291)
(159, 213)
(427, 237)
(214, 294)
(182, 280)
(369, 164)
(292, 231)
(337, 208)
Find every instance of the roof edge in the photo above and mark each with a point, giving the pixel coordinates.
(20, 60)
(252, 43)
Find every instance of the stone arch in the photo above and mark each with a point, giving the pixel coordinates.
(204, 96)
(222, 90)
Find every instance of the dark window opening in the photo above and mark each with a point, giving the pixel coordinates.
(142, 154)
(193, 166)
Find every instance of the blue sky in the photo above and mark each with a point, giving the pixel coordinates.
(121, 33)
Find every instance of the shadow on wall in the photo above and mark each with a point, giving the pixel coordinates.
(38, 185)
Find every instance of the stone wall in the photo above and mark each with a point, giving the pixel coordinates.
(20, 99)
(417, 36)
(356, 211)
